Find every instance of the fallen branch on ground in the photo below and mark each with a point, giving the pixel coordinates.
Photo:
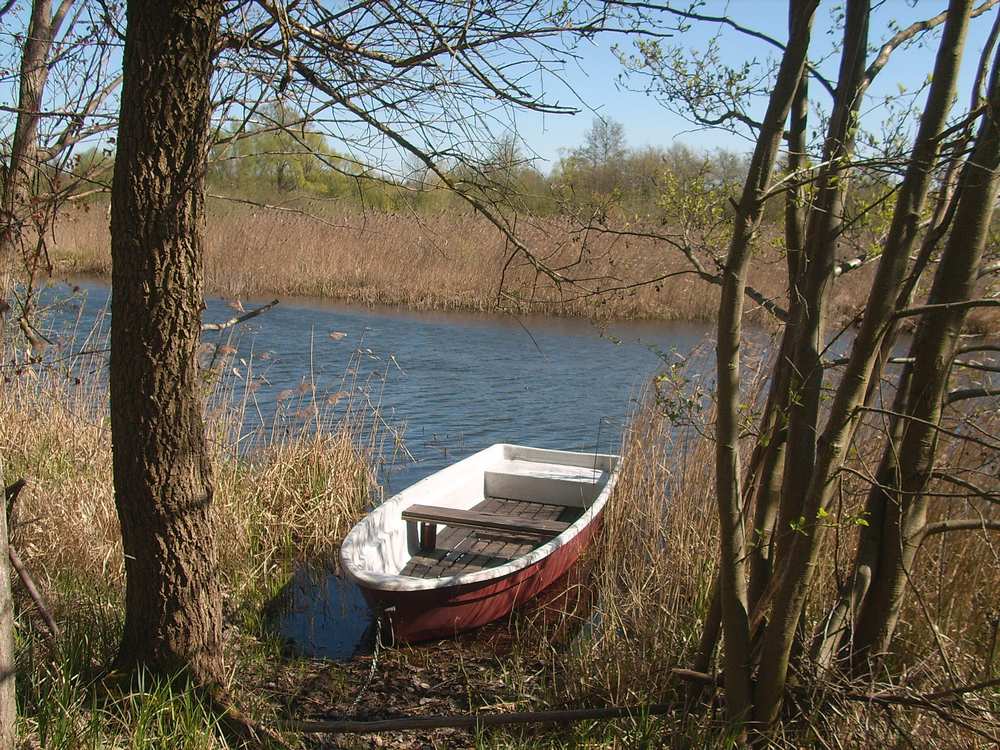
(471, 721)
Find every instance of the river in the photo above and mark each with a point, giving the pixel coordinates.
(449, 383)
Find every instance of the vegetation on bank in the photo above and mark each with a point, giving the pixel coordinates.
(289, 499)
(611, 637)
(445, 261)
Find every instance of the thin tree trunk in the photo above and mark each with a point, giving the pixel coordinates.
(840, 623)
(933, 351)
(816, 274)
(709, 639)
(853, 386)
(767, 498)
(163, 485)
(732, 578)
(8, 662)
(22, 162)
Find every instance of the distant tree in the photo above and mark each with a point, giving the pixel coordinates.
(591, 176)
(603, 144)
(65, 85)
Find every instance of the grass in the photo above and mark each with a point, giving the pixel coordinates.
(612, 639)
(443, 261)
(652, 573)
(290, 499)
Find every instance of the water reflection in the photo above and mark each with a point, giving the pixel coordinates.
(320, 614)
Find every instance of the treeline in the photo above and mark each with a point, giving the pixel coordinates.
(278, 157)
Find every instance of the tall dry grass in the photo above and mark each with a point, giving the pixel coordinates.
(652, 572)
(298, 494)
(442, 261)
(657, 564)
(291, 499)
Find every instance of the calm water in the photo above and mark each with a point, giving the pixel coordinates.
(450, 383)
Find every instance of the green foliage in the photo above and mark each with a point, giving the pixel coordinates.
(277, 154)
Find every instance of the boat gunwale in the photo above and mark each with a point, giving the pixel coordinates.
(399, 583)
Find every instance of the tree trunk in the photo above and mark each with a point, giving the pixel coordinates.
(933, 350)
(22, 163)
(8, 663)
(767, 496)
(732, 578)
(163, 485)
(839, 430)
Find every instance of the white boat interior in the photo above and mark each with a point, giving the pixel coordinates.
(486, 516)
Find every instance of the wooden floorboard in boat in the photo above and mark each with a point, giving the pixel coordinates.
(460, 550)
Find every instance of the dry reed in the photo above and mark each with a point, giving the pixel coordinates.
(295, 496)
(652, 573)
(443, 261)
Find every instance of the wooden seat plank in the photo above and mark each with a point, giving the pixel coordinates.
(478, 520)
(484, 548)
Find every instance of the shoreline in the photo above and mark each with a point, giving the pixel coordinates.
(443, 313)
(449, 262)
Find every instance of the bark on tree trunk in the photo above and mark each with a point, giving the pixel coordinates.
(22, 163)
(933, 350)
(767, 497)
(8, 666)
(732, 578)
(163, 485)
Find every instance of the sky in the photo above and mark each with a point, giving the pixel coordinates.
(594, 79)
(591, 83)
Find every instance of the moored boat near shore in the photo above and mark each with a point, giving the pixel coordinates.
(470, 543)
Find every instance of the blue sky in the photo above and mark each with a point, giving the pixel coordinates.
(594, 76)
(590, 82)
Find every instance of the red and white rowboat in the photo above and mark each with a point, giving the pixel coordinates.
(468, 544)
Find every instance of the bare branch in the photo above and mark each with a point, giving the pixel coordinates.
(964, 305)
(910, 32)
(939, 428)
(239, 319)
(959, 524)
(726, 21)
(966, 484)
(962, 394)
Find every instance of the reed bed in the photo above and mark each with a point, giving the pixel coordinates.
(442, 261)
(292, 498)
(650, 585)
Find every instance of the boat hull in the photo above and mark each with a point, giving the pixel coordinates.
(443, 612)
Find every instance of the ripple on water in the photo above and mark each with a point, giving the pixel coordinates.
(463, 382)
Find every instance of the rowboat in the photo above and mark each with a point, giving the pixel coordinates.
(468, 544)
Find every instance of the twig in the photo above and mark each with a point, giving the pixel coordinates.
(958, 524)
(946, 306)
(471, 721)
(961, 394)
(701, 678)
(239, 319)
(10, 496)
(36, 597)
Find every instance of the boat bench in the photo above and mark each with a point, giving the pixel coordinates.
(430, 515)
